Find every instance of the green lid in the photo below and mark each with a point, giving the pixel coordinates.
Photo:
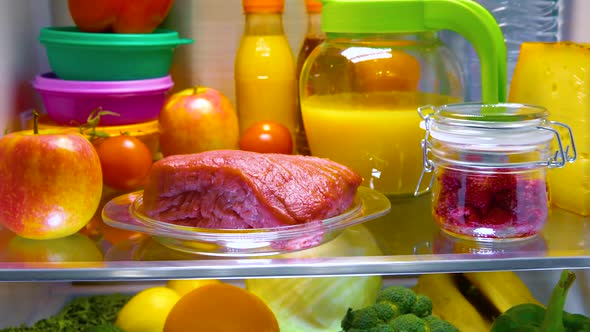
(73, 36)
(465, 17)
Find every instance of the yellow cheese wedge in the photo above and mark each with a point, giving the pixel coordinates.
(557, 76)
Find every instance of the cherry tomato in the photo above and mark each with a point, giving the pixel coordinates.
(97, 229)
(267, 137)
(125, 162)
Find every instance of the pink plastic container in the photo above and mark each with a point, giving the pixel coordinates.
(70, 102)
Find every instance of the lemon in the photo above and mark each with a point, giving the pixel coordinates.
(147, 310)
(182, 287)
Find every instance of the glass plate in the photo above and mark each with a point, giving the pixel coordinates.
(126, 212)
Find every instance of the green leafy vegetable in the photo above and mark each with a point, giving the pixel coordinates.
(80, 314)
(103, 328)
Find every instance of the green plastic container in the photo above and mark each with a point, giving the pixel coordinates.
(83, 56)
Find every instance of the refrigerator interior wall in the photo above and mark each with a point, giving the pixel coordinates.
(21, 57)
(575, 25)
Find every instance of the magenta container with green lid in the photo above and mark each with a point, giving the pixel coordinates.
(83, 56)
(71, 102)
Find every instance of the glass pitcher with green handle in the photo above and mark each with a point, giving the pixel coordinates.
(381, 60)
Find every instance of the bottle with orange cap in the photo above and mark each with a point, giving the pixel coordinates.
(264, 70)
(313, 37)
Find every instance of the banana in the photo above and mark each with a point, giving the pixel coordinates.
(453, 298)
(504, 289)
(449, 304)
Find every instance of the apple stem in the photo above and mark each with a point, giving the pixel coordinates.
(35, 122)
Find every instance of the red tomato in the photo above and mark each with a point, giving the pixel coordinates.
(96, 228)
(267, 137)
(119, 16)
(125, 162)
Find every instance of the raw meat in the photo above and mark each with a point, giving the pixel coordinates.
(234, 189)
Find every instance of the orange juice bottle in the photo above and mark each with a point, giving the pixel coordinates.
(265, 68)
(313, 37)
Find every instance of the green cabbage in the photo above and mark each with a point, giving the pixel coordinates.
(319, 304)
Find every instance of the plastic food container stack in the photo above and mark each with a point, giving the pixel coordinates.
(126, 74)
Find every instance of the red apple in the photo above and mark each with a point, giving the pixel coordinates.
(50, 183)
(119, 16)
(5, 237)
(196, 120)
(73, 248)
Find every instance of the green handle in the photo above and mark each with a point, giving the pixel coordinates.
(465, 17)
(479, 27)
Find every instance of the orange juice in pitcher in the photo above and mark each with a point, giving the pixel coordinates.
(381, 60)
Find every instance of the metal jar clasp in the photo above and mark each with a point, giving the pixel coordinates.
(561, 156)
(427, 164)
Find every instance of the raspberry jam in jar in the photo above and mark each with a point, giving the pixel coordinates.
(490, 167)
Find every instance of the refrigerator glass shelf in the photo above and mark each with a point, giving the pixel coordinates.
(407, 242)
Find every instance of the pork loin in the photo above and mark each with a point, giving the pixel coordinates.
(234, 189)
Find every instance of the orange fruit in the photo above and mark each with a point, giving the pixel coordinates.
(399, 71)
(183, 287)
(221, 307)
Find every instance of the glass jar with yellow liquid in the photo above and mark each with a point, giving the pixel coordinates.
(360, 89)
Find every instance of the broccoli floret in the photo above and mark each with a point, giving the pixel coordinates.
(422, 307)
(400, 298)
(384, 311)
(346, 323)
(382, 328)
(409, 323)
(365, 318)
(397, 309)
(404, 301)
(438, 325)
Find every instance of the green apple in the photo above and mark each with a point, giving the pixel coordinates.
(196, 120)
(50, 183)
